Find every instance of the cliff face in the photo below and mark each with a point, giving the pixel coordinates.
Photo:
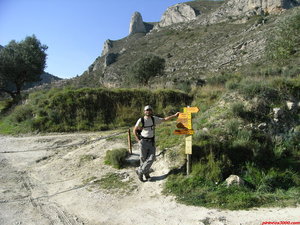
(177, 14)
(137, 24)
(196, 39)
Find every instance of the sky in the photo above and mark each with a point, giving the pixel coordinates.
(73, 30)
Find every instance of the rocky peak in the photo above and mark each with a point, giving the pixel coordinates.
(177, 14)
(108, 44)
(241, 8)
(238, 7)
(137, 24)
(270, 5)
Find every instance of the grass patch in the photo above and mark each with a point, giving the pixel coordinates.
(115, 182)
(194, 190)
(86, 158)
(116, 157)
(165, 137)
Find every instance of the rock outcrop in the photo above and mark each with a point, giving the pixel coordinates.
(177, 14)
(110, 58)
(137, 24)
(239, 8)
(108, 44)
(269, 5)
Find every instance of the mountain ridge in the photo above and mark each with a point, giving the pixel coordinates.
(211, 42)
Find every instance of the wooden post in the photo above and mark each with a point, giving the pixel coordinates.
(184, 121)
(188, 152)
(129, 142)
(188, 164)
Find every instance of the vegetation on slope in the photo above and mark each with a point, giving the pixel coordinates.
(90, 109)
(237, 131)
(240, 133)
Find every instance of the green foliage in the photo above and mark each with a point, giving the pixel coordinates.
(165, 137)
(286, 41)
(113, 182)
(22, 113)
(238, 109)
(257, 88)
(94, 109)
(221, 79)
(145, 68)
(206, 96)
(116, 157)
(271, 179)
(20, 63)
(210, 169)
(194, 190)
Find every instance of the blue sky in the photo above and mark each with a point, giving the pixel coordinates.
(73, 30)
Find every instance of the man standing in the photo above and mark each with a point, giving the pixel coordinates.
(146, 140)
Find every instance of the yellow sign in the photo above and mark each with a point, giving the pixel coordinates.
(184, 131)
(184, 121)
(188, 144)
(191, 109)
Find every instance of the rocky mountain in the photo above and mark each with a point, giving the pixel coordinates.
(196, 39)
(47, 79)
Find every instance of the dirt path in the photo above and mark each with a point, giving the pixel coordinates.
(54, 179)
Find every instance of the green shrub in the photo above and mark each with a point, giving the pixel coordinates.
(287, 86)
(113, 182)
(286, 41)
(21, 113)
(210, 169)
(271, 179)
(94, 109)
(145, 68)
(257, 88)
(238, 109)
(116, 157)
(195, 190)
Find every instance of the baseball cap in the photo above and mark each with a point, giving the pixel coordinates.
(147, 107)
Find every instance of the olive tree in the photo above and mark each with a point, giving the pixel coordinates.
(21, 62)
(143, 69)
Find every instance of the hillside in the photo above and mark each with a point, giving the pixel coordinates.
(238, 63)
(46, 78)
(221, 38)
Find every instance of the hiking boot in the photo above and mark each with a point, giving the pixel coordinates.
(140, 175)
(147, 176)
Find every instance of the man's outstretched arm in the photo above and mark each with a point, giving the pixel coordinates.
(171, 117)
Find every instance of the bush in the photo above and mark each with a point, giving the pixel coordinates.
(210, 169)
(94, 109)
(116, 157)
(271, 179)
(238, 109)
(257, 88)
(285, 43)
(145, 68)
(21, 113)
(195, 190)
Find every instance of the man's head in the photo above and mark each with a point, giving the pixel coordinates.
(148, 110)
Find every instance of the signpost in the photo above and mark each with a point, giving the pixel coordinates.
(184, 123)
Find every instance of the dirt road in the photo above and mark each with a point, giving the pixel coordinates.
(55, 179)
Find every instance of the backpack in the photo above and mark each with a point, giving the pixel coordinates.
(139, 131)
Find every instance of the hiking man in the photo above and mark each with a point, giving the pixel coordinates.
(146, 127)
